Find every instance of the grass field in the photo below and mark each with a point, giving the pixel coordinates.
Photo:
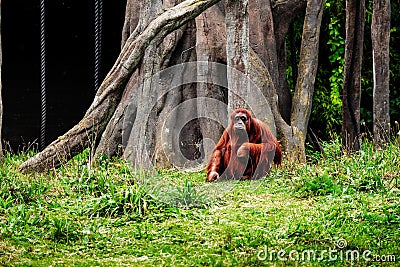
(333, 211)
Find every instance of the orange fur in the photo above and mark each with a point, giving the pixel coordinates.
(261, 147)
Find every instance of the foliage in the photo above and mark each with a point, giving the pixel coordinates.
(102, 214)
(326, 114)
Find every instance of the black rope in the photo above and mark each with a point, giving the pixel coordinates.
(98, 29)
(42, 75)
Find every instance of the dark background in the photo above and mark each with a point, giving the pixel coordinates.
(69, 64)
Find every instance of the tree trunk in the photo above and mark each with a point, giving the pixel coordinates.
(283, 16)
(87, 131)
(110, 143)
(246, 72)
(161, 113)
(237, 52)
(292, 136)
(211, 47)
(380, 35)
(1, 102)
(302, 99)
(355, 15)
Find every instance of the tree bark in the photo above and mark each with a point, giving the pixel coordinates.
(284, 12)
(262, 36)
(302, 99)
(146, 145)
(210, 47)
(292, 136)
(355, 15)
(237, 50)
(156, 117)
(132, 12)
(87, 131)
(110, 143)
(380, 35)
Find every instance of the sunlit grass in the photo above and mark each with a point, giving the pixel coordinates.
(105, 214)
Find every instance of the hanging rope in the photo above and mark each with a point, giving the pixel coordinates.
(98, 28)
(42, 76)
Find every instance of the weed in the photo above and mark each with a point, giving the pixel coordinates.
(188, 196)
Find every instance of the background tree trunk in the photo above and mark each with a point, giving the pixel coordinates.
(237, 50)
(90, 128)
(380, 35)
(355, 15)
(302, 99)
(211, 47)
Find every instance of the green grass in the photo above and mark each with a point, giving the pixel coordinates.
(107, 215)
